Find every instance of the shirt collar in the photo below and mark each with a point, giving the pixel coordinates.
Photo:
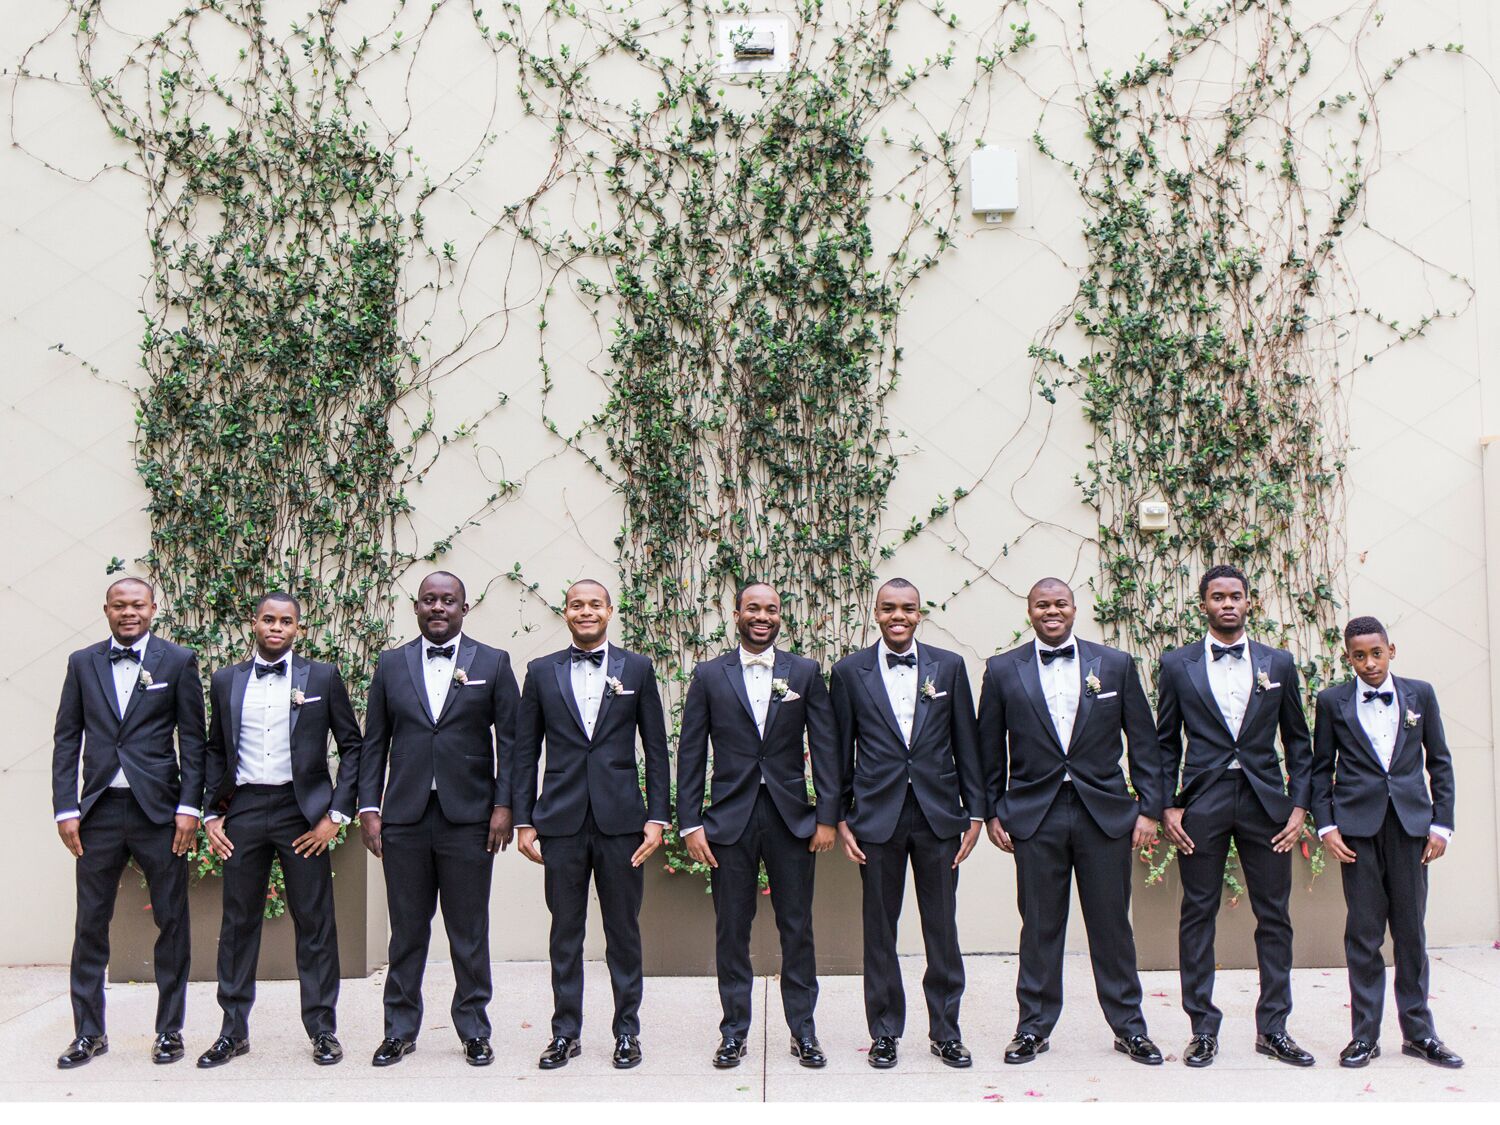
(257, 658)
(1041, 648)
(746, 654)
(602, 646)
(1209, 640)
(455, 640)
(1388, 684)
(139, 644)
(882, 648)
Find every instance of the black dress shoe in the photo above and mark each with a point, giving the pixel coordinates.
(952, 1052)
(1433, 1051)
(627, 1052)
(883, 1052)
(1024, 1048)
(558, 1052)
(477, 1051)
(326, 1048)
(167, 1048)
(222, 1051)
(1139, 1048)
(81, 1050)
(1283, 1048)
(391, 1051)
(809, 1052)
(1358, 1053)
(731, 1051)
(1201, 1050)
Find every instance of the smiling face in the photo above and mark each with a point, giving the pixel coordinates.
(758, 617)
(1370, 656)
(1051, 609)
(129, 607)
(1225, 604)
(275, 627)
(440, 607)
(898, 612)
(587, 611)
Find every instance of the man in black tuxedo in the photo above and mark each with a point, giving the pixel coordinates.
(270, 795)
(1230, 696)
(442, 714)
(1373, 738)
(589, 702)
(1051, 717)
(124, 702)
(912, 791)
(760, 706)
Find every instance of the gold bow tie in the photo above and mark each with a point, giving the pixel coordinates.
(765, 660)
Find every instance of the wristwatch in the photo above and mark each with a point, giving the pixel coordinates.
(337, 817)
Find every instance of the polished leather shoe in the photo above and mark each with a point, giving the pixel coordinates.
(81, 1050)
(222, 1051)
(1358, 1053)
(883, 1052)
(326, 1048)
(167, 1048)
(731, 1051)
(627, 1052)
(1283, 1048)
(391, 1051)
(1433, 1051)
(952, 1052)
(1024, 1048)
(558, 1052)
(1201, 1050)
(1139, 1048)
(477, 1051)
(809, 1052)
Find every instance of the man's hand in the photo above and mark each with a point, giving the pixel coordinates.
(1435, 848)
(649, 844)
(1284, 840)
(369, 829)
(824, 837)
(1334, 842)
(966, 845)
(68, 830)
(999, 836)
(185, 833)
(851, 845)
(1171, 820)
(316, 839)
(697, 847)
(500, 829)
(218, 842)
(526, 844)
(1145, 832)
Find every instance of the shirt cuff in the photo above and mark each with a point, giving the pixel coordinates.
(521, 826)
(188, 810)
(370, 808)
(686, 832)
(663, 823)
(1440, 830)
(1327, 828)
(977, 819)
(73, 814)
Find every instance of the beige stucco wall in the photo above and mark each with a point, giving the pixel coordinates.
(1423, 533)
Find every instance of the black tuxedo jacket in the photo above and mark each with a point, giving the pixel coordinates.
(469, 748)
(1185, 704)
(598, 773)
(1349, 786)
(875, 762)
(161, 775)
(1024, 761)
(326, 709)
(718, 708)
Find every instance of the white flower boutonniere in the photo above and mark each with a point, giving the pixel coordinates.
(1412, 718)
(298, 699)
(1263, 682)
(929, 689)
(145, 679)
(460, 677)
(616, 687)
(782, 690)
(1091, 684)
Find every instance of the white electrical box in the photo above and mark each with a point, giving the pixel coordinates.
(1153, 515)
(994, 182)
(760, 44)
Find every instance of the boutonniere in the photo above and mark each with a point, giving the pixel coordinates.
(460, 677)
(782, 690)
(616, 687)
(1263, 682)
(298, 699)
(1412, 718)
(929, 689)
(1091, 684)
(144, 680)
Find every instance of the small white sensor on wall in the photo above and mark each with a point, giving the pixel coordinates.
(1153, 515)
(994, 182)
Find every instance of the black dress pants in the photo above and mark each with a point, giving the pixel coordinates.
(569, 862)
(1386, 885)
(114, 831)
(884, 877)
(1229, 810)
(790, 867)
(262, 822)
(1068, 845)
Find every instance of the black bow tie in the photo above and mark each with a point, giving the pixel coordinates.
(117, 654)
(277, 669)
(1051, 654)
(596, 658)
(1384, 696)
(446, 652)
(1221, 651)
(904, 659)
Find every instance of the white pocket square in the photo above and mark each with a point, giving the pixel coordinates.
(791, 697)
(939, 695)
(1277, 684)
(157, 687)
(475, 683)
(1106, 695)
(311, 699)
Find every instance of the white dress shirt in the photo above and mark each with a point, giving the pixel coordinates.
(1231, 680)
(588, 686)
(900, 686)
(1060, 687)
(265, 735)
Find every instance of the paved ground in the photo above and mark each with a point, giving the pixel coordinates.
(680, 1017)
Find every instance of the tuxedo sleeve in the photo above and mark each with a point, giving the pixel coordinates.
(507, 702)
(530, 728)
(692, 756)
(651, 721)
(1141, 747)
(966, 745)
(215, 750)
(1296, 739)
(192, 735)
(822, 749)
(994, 754)
(377, 742)
(1439, 762)
(67, 742)
(1168, 733)
(344, 724)
(1324, 761)
(844, 733)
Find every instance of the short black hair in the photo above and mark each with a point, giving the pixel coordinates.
(739, 594)
(1040, 582)
(462, 590)
(278, 596)
(896, 584)
(590, 582)
(130, 580)
(1365, 627)
(1223, 570)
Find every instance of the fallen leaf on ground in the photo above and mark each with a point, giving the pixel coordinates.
(1034, 1093)
(994, 1097)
